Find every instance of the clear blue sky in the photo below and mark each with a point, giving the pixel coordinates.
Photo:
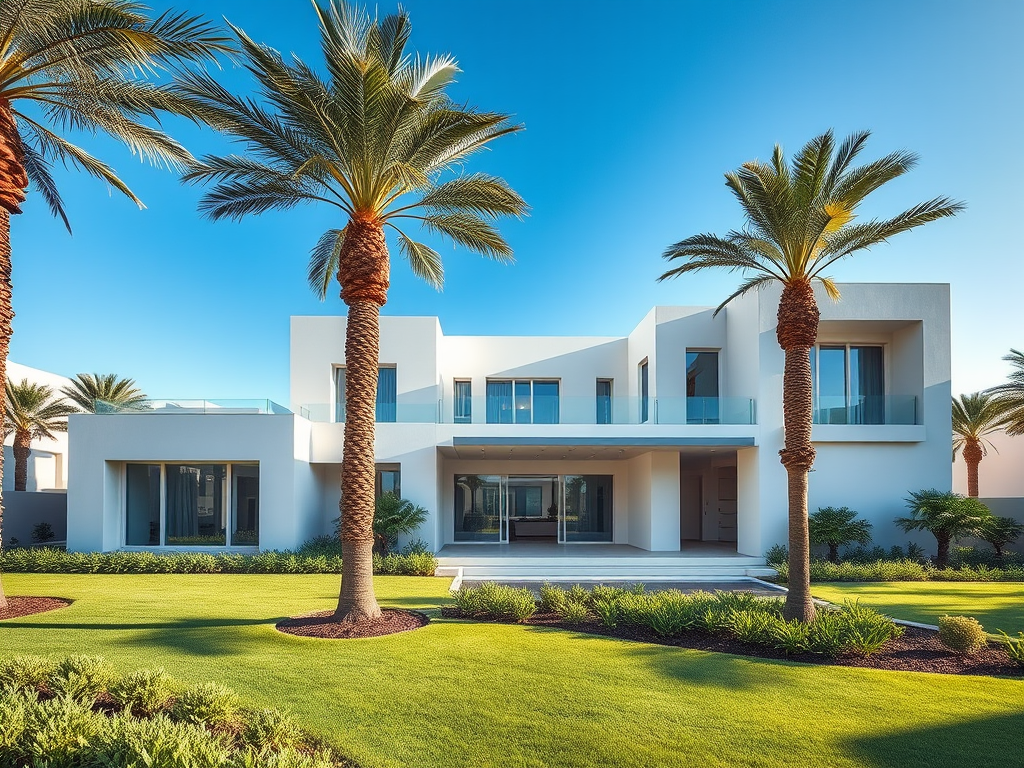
(633, 112)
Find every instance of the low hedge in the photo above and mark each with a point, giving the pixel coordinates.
(902, 570)
(851, 629)
(78, 711)
(318, 557)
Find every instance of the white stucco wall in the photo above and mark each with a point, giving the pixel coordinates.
(48, 461)
(1001, 472)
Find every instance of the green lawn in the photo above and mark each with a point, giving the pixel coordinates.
(997, 605)
(468, 694)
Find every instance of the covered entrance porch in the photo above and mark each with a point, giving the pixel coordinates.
(542, 496)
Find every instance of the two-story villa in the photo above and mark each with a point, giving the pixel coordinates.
(663, 440)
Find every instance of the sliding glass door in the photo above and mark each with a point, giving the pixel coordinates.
(587, 509)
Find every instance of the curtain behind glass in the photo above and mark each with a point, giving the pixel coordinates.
(142, 505)
(387, 394)
(463, 402)
(604, 401)
(182, 502)
(339, 395)
(867, 385)
(499, 402)
(545, 402)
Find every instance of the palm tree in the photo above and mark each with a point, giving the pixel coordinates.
(394, 516)
(1012, 393)
(104, 390)
(32, 412)
(372, 140)
(74, 65)
(800, 220)
(947, 516)
(835, 527)
(974, 417)
(1000, 531)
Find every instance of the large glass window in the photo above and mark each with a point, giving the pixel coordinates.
(478, 506)
(522, 402)
(644, 387)
(387, 394)
(702, 388)
(142, 505)
(463, 402)
(604, 401)
(195, 505)
(192, 504)
(849, 384)
(588, 507)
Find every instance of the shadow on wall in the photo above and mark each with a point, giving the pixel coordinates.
(23, 510)
(1004, 507)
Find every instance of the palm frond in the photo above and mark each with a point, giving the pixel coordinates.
(471, 231)
(38, 170)
(323, 262)
(424, 261)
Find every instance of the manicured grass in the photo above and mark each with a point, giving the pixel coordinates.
(471, 694)
(997, 605)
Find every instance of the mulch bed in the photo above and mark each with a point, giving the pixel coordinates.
(323, 625)
(918, 650)
(26, 606)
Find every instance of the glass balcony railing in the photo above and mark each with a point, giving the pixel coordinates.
(189, 406)
(556, 410)
(869, 409)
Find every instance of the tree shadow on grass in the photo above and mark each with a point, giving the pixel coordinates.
(199, 636)
(988, 741)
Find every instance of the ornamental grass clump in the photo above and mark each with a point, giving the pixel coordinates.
(206, 703)
(144, 692)
(495, 601)
(962, 634)
(1014, 647)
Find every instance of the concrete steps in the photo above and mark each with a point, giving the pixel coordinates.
(584, 569)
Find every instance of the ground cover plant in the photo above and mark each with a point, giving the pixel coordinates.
(321, 555)
(504, 695)
(998, 606)
(80, 711)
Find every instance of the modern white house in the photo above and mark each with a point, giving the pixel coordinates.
(662, 441)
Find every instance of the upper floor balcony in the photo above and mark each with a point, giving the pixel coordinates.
(866, 410)
(554, 409)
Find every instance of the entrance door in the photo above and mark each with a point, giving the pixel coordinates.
(727, 504)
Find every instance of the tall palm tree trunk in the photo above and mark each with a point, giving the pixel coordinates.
(797, 332)
(363, 274)
(6, 319)
(972, 458)
(22, 451)
(942, 555)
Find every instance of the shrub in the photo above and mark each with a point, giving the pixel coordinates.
(143, 692)
(866, 630)
(962, 634)
(271, 728)
(320, 555)
(575, 611)
(1014, 647)
(608, 612)
(207, 703)
(42, 532)
(82, 678)
(58, 731)
(836, 526)
(552, 598)
(791, 637)
(776, 555)
(30, 672)
(495, 601)
(756, 628)
(161, 742)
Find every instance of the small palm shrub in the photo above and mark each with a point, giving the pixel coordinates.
(962, 634)
(791, 637)
(142, 693)
(1014, 647)
(835, 527)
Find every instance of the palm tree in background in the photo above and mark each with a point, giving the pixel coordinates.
(77, 65)
(1011, 394)
(372, 138)
(106, 391)
(32, 412)
(800, 220)
(974, 417)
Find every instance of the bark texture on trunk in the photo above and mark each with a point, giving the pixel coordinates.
(833, 552)
(363, 274)
(797, 332)
(13, 179)
(942, 556)
(6, 319)
(22, 450)
(972, 458)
